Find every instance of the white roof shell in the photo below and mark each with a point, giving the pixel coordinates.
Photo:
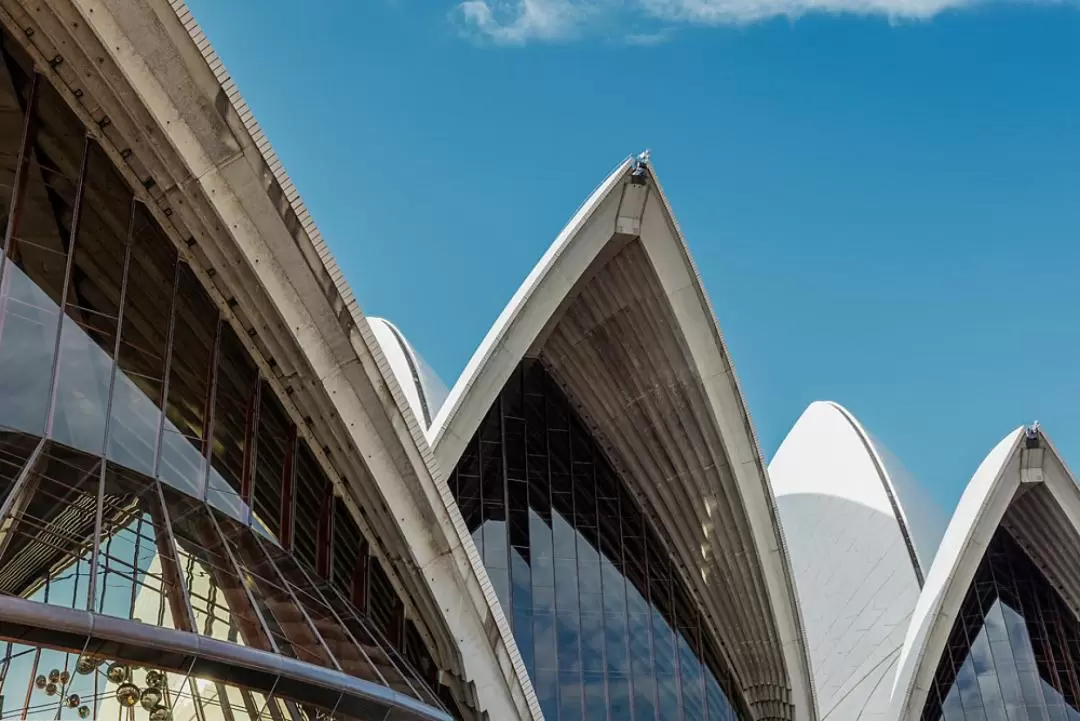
(1024, 486)
(856, 568)
(616, 310)
(423, 388)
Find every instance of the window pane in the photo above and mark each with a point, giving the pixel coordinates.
(92, 307)
(234, 412)
(183, 448)
(587, 585)
(34, 274)
(140, 381)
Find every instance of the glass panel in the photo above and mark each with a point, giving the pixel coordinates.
(15, 78)
(147, 314)
(48, 541)
(234, 414)
(15, 451)
(138, 574)
(92, 307)
(220, 603)
(33, 283)
(283, 615)
(1010, 654)
(273, 449)
(312, 491)
(580, 573)
(183, 444)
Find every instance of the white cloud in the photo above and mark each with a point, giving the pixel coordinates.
(516, 22)
(649, 22)
(727, 12)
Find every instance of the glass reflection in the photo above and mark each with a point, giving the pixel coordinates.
(171, 483)
(75, 685)
(1014, 651)
(605, 629)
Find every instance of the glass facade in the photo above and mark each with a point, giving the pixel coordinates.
(39, 682)
(147, 470)
(606, 629)
(1014, 651)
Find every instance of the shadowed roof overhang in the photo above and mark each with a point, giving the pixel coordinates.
(616, 311)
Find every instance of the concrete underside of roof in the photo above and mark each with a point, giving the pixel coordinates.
(617, 353)
(164, 109)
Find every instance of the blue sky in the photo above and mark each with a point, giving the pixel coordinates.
(883, 196)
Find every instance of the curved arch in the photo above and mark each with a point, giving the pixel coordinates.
(1021, 486)
(616, 312)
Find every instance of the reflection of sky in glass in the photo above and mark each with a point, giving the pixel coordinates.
(1013, 653)
(603, 625)
(80, 410)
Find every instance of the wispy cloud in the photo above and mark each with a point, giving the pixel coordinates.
(518, 22)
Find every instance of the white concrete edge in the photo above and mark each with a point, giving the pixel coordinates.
(982, 506)
(730, 410)
(448, 419)
(895, 500)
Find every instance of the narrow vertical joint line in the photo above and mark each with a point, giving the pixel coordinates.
(115, 365)
(208, 409)
(76, 218)
(251, 425)
(287, 478)
(167, 368)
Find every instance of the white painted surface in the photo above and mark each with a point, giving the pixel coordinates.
(854, 572)
(977, 516)
(423, 388)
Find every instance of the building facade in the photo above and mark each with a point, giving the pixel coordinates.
(226, 493)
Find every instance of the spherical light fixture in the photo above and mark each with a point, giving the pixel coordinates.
(127, 694)
(116, 672)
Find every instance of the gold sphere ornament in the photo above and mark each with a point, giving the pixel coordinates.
(40, 681)
(64, 677)
(160, 713)
(73, 700)
(150, 698)
(127, 694)
(155, 679)
(117, 672)
(50, 689)
(54, 675)
(84, 712)
(86, 664)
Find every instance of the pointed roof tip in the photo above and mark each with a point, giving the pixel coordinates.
(987, 499)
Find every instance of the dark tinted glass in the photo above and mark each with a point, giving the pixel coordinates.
(1014, 650)
(35, 267)
(605, 629)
